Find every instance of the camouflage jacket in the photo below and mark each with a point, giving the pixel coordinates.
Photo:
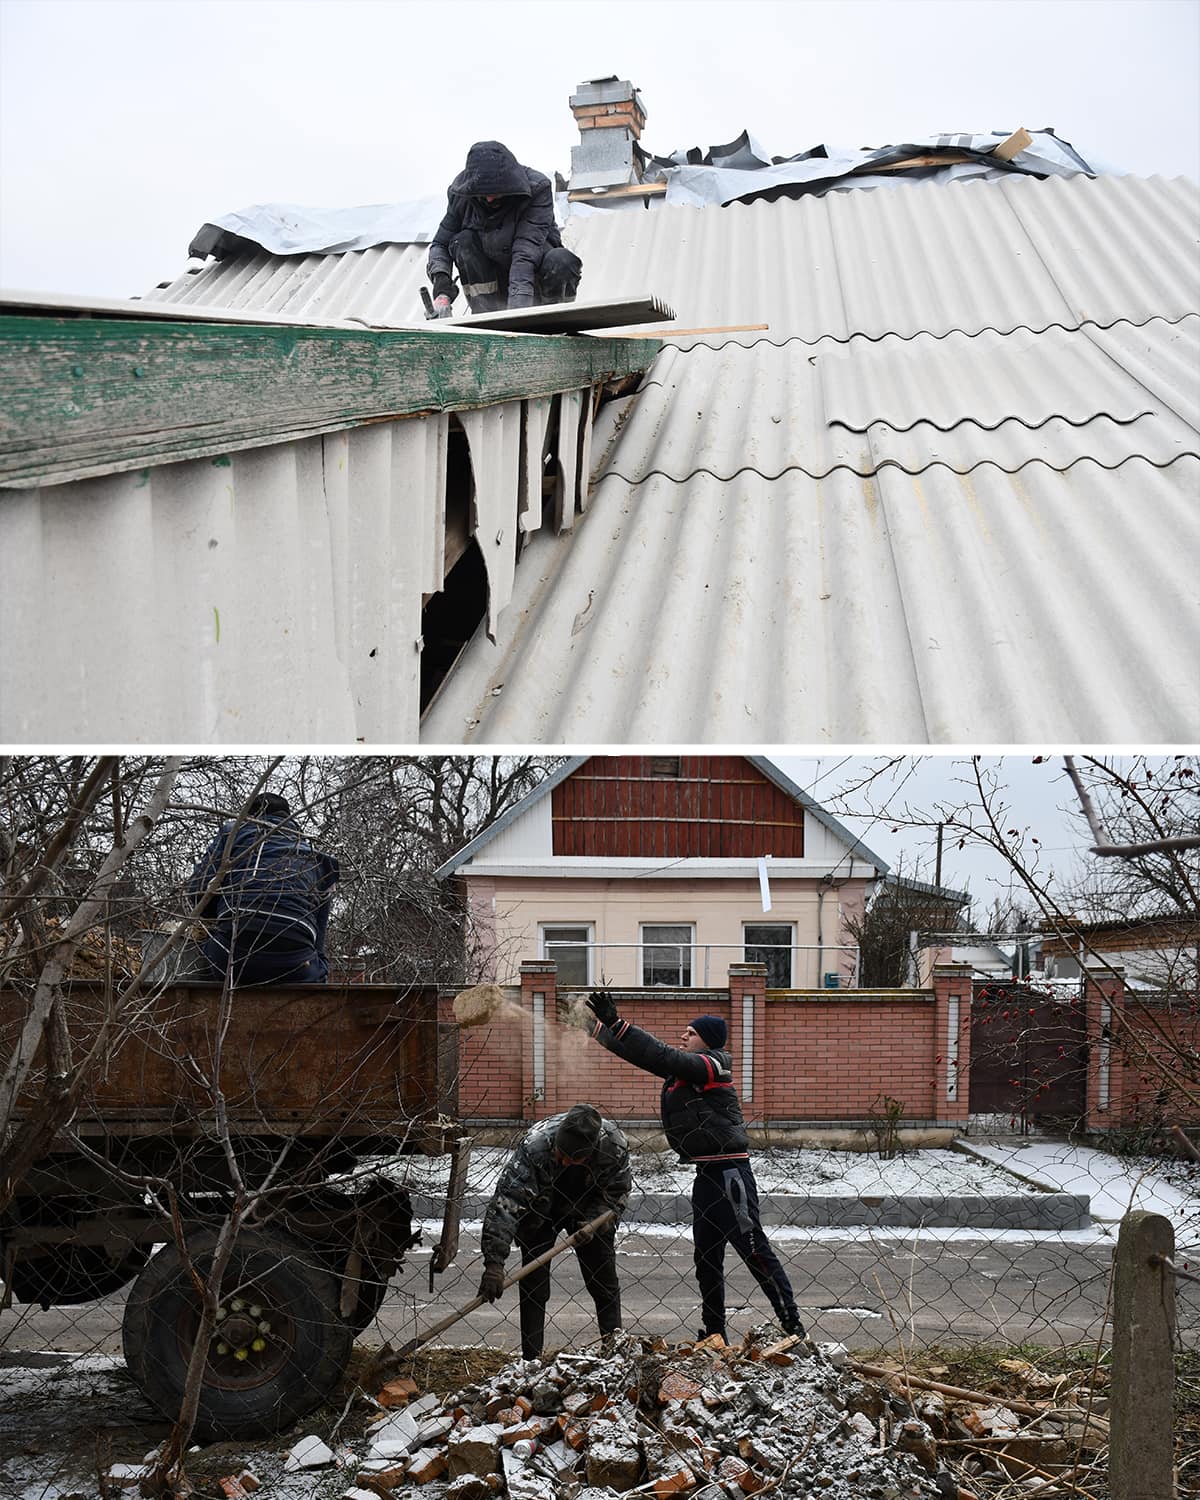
(531, 1175)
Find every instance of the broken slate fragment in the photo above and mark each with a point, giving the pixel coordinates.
(309, 1453)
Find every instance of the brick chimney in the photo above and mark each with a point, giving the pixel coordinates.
(611, 118)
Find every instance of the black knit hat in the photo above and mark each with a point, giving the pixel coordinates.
(580, 1131)
(268, 805)
(710, 1029)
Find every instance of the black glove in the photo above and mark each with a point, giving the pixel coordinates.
(603, 1007)
(492, 1283)
(443, 286)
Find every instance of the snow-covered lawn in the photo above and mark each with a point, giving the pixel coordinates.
(824, 1174)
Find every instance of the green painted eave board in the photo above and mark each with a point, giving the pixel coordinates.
(82, 396)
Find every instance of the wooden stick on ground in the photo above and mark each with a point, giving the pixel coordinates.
(980, 1398)
(593, 1226)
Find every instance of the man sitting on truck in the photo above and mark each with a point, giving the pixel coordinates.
(566, 1171)
(268, 915)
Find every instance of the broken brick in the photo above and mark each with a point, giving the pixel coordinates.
(427, 1465)
(677, 1387)
(397, 1393)
(677, 1483)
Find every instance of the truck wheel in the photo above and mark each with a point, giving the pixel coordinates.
(279, 1347)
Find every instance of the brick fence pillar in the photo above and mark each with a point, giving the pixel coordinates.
(748, 1035)
(539, 993)
(1104, 994)
(951, 1056)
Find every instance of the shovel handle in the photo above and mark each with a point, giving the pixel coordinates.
(593, 1226)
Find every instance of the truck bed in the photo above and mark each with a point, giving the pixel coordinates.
(350, 1060)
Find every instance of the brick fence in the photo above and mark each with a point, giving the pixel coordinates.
(803, 1057)
(1143, 1052)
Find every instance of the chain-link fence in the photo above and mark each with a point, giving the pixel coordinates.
(1009, 1241)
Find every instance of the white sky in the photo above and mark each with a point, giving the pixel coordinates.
(125, 124)
(1040, 803)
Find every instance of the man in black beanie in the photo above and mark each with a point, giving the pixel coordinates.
(702, 1118)
(566, 1171)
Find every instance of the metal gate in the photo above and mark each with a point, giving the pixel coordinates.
(1028, 1056)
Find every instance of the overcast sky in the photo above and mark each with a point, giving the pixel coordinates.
(1039, 801)
(125, 124)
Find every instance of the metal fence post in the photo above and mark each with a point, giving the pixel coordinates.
(1141, 1458)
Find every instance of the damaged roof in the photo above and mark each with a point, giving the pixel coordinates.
(946, 495)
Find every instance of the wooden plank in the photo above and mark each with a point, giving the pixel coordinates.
(571, 317)
(628, 190)
(97, 395)
(682, 333)
(951, 159)
(1019, 141)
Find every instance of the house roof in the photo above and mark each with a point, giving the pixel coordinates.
(946, 496)
(573, 763)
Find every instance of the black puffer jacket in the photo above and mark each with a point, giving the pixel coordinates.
(701, 1112)
(516, 230)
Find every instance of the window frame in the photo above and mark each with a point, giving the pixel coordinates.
(790, 929)
(546, 942)
(689, 945)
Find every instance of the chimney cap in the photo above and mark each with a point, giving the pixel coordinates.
(609, 90)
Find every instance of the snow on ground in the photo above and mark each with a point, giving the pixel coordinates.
(823, 1174)
(1115, 1184)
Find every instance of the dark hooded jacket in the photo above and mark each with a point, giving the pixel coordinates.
(277, 885)
(533, 1184)
(515, 231)
(701, 1112)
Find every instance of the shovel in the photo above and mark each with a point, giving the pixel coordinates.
(593, 1226)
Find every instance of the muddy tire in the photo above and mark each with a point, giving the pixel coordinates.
(279, 1348)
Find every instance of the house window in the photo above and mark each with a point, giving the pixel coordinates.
(770, 943)
(664, 765)
(667, 954)
(571, 949)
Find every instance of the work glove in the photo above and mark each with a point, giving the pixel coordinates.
(443, 295)
(491, 1283)
(603, 1007)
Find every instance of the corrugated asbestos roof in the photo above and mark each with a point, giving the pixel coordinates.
(949, 496)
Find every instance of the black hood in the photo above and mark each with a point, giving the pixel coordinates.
(492, 169)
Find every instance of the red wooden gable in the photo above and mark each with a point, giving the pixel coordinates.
(674, 807)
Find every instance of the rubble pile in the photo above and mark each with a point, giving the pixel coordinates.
(704, 1421)
(1049, 1439)
(99, 954)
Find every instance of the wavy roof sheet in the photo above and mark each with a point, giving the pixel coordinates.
(950, 495)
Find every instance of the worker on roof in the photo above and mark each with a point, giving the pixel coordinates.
(702, 1119)
(500, 235)
(565, 1171)
(269, 908)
